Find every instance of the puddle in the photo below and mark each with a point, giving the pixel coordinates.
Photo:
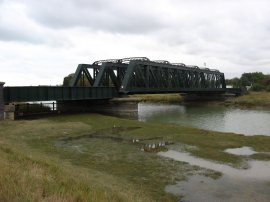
(107, 133)
(77, 148)
(251, 184)
(241, 151)
(256, 169)
(145, 144)
(200, 188)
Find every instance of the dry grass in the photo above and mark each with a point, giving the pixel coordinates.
(253, 99)
(23, 178)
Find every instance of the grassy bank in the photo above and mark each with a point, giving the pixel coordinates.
(95, 158)
(253, 99)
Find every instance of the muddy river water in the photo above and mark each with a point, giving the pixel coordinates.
(217, 118)
(249, 184)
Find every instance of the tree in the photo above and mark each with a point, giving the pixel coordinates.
(67, 79)
(257, 87)
(248, 79)
(257, 80)
(234, 82)
(83, 81)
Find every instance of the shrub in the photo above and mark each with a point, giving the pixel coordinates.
(257, 87)
(268, 88)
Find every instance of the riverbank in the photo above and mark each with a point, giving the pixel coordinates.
(92, 157)
(252, 99)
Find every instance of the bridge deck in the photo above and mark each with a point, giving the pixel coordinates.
(46, 93)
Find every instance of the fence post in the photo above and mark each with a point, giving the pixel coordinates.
(1, 101)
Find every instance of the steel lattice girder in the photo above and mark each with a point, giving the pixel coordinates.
(82, 69)
(140, 75)
(143, 77)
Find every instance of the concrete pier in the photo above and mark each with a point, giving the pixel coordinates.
(1, 101)
(9, 112)
(203, 97)
(122, 107)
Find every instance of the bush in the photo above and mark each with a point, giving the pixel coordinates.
(268, 88)
(257, 87)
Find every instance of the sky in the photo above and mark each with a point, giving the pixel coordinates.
(41, 42)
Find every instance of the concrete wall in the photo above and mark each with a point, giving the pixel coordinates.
(125, 108)
(1, 101)
(9, 111)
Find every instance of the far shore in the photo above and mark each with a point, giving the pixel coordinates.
(250, 100)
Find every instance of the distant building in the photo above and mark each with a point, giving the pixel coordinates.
(248, 87)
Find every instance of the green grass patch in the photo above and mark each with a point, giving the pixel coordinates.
(92, 157)
(253, 99)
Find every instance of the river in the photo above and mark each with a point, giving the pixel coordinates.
(209, 117)
(250, 184)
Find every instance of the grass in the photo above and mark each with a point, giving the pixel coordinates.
(57, 159)
(253, 99)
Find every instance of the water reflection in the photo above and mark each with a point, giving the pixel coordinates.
(226, 189)
(218, 118)
(250, 184)
(258, 170)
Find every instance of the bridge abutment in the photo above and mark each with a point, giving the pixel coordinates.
(9, 112)
(1, 101)
(122, 107)
(203, 97)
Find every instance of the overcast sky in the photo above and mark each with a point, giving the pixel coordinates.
(43, 41)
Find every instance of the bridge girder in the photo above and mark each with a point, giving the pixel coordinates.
(140, 75)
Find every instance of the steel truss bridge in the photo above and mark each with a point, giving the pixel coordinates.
(106, 79)
(140, 75)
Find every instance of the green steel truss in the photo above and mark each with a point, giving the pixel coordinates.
(106, 79)
(140, 75)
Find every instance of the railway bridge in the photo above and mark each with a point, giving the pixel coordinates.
(106, 79)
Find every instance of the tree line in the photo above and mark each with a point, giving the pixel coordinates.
(256, 80)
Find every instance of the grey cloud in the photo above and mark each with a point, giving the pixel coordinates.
(16, 26)
(238, 32)
(9, 34)
(102, 15)
(235, 31)
(13, 34)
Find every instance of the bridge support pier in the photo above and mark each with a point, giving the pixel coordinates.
(9, 112)
(116, 107)
(203, 97)
(1, 101)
